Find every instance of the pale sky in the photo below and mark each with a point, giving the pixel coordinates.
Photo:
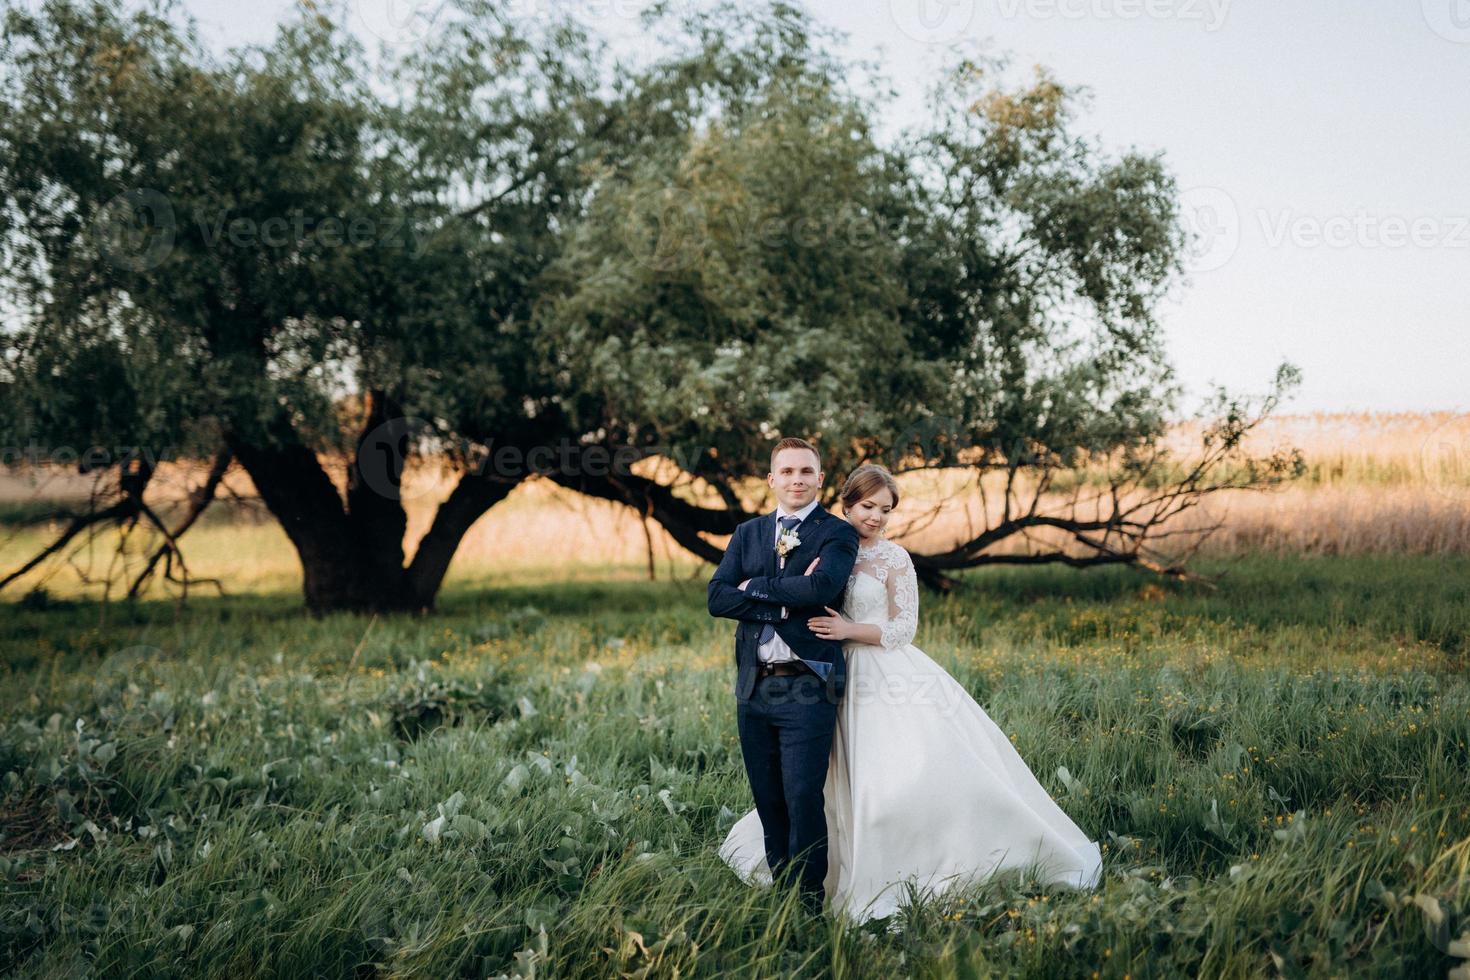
(1326, 145)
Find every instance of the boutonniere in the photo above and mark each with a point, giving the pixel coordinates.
(787, 542)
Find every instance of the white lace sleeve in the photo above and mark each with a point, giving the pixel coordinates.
(903, 599)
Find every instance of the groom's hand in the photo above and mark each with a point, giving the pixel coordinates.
(729, 601)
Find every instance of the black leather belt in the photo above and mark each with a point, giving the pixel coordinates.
(781, 668)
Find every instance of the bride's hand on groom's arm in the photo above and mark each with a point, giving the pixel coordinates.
(832, 627)
(838, 627)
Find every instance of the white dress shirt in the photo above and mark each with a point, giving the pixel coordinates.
(776, 649)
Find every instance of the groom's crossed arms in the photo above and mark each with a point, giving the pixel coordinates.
(763, 596)
(823, 587)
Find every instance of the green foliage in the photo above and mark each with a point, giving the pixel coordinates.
(741, 286)
(697, 253)
(297, 246)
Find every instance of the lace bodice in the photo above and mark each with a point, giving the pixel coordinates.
(884, 591)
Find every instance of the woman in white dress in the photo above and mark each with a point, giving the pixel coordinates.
(923, 790)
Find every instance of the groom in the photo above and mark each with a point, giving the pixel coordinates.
(778, 571)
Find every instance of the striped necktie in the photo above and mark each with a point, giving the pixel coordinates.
(768, 630)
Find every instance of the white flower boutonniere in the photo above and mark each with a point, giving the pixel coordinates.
(786, 543)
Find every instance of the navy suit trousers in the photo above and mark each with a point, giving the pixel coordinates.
(786, 730)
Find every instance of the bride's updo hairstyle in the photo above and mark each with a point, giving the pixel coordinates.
(864, 481)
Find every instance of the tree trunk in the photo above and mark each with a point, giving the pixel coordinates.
(351, 551)
(341, 569)
(342, 579)
(471, 497)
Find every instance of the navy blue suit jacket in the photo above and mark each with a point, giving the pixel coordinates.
(751, 555)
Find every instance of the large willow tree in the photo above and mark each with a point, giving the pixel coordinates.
(506, 240)
(266, 259)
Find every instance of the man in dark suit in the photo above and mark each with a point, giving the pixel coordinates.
(779, 570)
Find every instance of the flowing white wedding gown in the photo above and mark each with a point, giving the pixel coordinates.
(921, 786)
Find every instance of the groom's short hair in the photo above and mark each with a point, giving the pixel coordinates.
(791, 442)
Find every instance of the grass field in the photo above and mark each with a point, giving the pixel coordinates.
(1277, 770)
(533, 781)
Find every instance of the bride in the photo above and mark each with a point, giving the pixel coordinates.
(922, 787)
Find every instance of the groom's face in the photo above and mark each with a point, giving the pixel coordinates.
(796, 477)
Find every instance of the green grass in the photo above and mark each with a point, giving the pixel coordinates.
(1277, 770)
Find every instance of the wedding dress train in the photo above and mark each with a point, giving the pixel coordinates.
(922, 786)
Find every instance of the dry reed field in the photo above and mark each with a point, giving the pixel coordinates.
(1380, 484)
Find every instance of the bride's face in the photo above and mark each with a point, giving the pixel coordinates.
(870, 515)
